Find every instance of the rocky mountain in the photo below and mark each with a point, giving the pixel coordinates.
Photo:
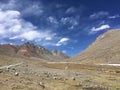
(59, 54)
(105, 49)
(30, 50)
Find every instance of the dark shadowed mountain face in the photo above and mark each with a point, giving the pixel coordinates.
(106, 49)
(30, 50)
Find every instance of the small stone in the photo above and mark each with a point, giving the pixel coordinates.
(65, 79)
(60, 78)
(117, 71)
(79, 84)
(73, 78)
(1, 70)
(42, 85)
(16, 74)
(8, 67)
(54, 78)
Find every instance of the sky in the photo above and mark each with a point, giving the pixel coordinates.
(66, 25)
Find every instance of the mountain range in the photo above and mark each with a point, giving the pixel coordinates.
(30, 50)
(105, 49)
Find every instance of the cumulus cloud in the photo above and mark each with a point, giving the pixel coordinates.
(35, 35)
(62, 41)
(13, 27)
(9, 22)
(100, 14)
(102, 27)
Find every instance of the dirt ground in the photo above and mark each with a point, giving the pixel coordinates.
(37, 75)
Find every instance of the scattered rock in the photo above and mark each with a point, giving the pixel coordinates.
(16, 73)
(54, 78)
(7, 68)
(47, 76)
(65, 79)
(117, 71)
(42, 85)
(73, 78)
(1, 70)
(60, 78)
(79, 84)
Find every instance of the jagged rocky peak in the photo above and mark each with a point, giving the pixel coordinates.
(28, 44)
(30, 50)
(58, 53)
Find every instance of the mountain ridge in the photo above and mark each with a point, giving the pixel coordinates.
(105, 49)
(30, 50)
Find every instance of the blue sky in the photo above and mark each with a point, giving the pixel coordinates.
(67, 25)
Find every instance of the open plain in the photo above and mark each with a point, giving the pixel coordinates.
(25, 74)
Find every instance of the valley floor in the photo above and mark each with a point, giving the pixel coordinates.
(20, 74)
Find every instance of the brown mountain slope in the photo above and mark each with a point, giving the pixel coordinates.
(8, 49)
(106, 49)
(30, 50)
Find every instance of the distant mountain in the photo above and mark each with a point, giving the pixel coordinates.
(59, 54)
(106, 49)
(30, 50)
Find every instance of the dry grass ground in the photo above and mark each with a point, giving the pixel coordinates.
(57, 76)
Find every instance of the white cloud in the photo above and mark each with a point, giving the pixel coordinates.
(27, 8)
(48, 38)
(34, 9)
(100, 14)
(52, 20)
(35, 35)
(69, 20)
(30, 35)
(1, 31)
(8, 6)
(62, 41)
(102, 27)
(70, 10)
(72, 22)
(9, 21)
(115, 16)
(13, 27)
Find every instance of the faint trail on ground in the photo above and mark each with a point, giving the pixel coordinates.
(12, 65)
